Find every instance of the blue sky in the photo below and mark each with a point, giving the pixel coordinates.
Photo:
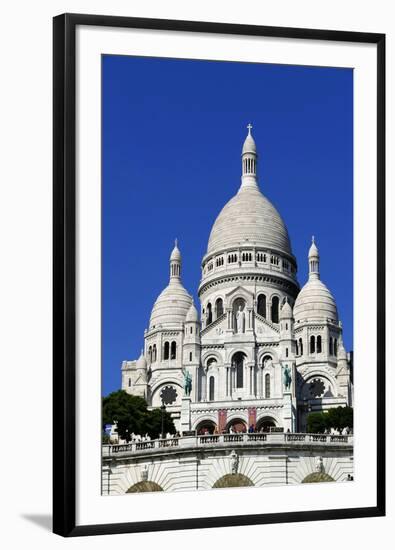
(172, 137)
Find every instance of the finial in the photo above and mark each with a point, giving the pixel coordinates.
(312, 239)
(249, 126)
(176, 242)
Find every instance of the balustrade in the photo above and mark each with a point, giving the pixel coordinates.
(226, 440)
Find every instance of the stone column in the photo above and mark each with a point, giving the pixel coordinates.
(185, 421)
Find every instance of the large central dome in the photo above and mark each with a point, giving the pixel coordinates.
(249, 218)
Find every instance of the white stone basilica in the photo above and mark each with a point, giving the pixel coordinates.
(262, 353)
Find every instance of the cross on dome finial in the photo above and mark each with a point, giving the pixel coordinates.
(249, 126)
(176, 242)
(312, 239)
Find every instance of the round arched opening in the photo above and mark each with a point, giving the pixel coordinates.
(238, 361)
(233, 480)
(318, 477)
(144, 487)
(265, 424)
(236, 426)
(205, 427)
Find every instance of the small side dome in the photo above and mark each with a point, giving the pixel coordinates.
(141, 363)
(192, 315)
(315, 302)
(286, 311)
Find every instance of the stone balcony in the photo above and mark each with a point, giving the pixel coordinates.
(231, 441)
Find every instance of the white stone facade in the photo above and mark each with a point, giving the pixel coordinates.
(261, 351)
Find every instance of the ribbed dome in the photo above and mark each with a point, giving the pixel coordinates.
(315, 302)
(171, 306)
(249, 218)
(192, 315)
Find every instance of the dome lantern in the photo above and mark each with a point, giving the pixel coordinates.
(249, 159)
(314, 261)
(175, 262)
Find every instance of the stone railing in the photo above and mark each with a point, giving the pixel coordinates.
(226, 440)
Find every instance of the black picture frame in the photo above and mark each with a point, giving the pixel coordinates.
(64, 273)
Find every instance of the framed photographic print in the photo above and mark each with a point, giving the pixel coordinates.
(219, 274)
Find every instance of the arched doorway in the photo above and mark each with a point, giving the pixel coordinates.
(233, 480)
(264, 424)
(205, 427)
(144, 487)
(237, 425)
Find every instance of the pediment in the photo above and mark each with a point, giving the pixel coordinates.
(240, 292)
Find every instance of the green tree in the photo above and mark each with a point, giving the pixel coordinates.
(132, 415)
(337, 418)
(316, 423)
(340, 418)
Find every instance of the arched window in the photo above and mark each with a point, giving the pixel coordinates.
(312, 344)
(300, 346)
(267, 385)
(335, 346)
(191, 330)
(209, 314)
(166, 350)
(173, 350)
(211, 389)
(238, 362)
(274, 309)
(130, 382)
(154, 354)
(296, 348)
(190, 356)
(331, 346)
(286, 352)
(150, 354)
(261, 305)
(319, 344)
(219, 308)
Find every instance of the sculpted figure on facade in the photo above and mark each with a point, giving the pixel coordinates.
(240, 320)
(287, 378)
(234, 462)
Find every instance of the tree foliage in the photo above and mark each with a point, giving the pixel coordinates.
(132, 415)
(337, 418)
